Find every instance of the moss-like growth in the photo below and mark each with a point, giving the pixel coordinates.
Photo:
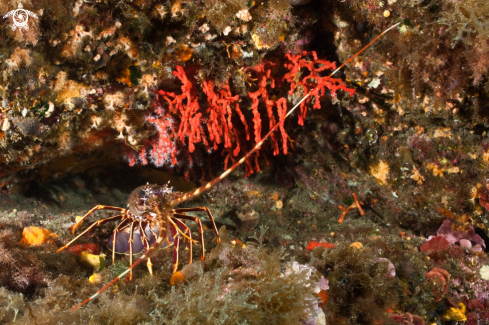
(280, 6)
(219, 13)
(360, 288)
(259, 292)
(10, 305)
(54, 306)
(27, 269)
(21, 271)
(466, 20)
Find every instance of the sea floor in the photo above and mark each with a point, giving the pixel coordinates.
(280, 235)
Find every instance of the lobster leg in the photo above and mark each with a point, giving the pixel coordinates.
(139, 260)
(176, 246)
(201, 209)
(149, 265)
(98, 207)
(201, 230)
(151, 220)
(116, 230)
(131, 241)
(189, 234)
(145, 241)
(93, 225)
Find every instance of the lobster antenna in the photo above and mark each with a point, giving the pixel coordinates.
(274, 128)
(223, 175)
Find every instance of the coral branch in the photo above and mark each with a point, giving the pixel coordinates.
(217, 122)
(296, 63)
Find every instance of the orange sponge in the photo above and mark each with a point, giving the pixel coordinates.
(177, 278)
(37, 236)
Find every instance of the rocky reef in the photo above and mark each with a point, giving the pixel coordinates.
(99, 76)
(368, 205)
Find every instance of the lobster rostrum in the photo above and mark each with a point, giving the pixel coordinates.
(151, 219)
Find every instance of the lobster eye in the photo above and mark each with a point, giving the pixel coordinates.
(142, 193)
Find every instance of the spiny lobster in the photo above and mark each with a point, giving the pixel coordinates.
(150, 212)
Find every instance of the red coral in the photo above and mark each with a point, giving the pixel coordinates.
(220, 106)
(264, 74)
(296, 63)
(184, 119)
(186, 106)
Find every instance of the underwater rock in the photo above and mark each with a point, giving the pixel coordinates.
(247, 283)
(22, 270)
(29, 126)
(247, 217)
(101, 79)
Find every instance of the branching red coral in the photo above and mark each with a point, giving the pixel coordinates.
(185, 120)
(186, 106)
(220, 110)
(296, 63)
